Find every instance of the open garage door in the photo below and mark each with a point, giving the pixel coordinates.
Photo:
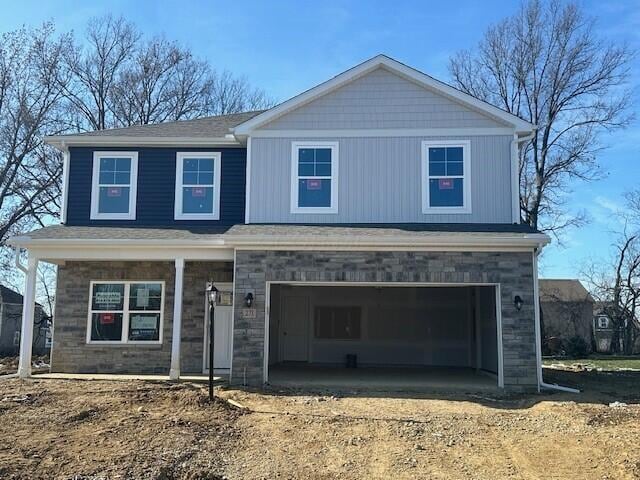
(329, 330)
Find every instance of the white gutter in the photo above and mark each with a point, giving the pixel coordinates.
(536, 305)
(261, 241)
(61, 142)
(24, 241)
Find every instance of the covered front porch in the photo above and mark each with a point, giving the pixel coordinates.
(132, 306)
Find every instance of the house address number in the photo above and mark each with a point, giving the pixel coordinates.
(248, 313)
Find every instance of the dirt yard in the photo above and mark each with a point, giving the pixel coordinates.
(97, 429)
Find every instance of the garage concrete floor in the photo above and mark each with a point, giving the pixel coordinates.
(383, 378)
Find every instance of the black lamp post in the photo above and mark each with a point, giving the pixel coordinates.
(212, 297)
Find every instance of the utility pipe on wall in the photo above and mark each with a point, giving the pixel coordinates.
(536, 305)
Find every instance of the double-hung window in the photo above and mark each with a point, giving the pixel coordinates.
(446, 177)
(114, 185)
(125, 312)
(314, 177)
(197, 186)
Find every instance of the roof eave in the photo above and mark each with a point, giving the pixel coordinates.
(62, 142)
(536, 240)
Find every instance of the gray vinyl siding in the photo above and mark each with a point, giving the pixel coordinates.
(380, 181)
(381, 99)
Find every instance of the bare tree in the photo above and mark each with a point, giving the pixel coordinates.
(120, 80)
(546, 65)
(162, 82)
(616, 282)
(31, 92)
(94, 69)
(232, 94)
(616, 286)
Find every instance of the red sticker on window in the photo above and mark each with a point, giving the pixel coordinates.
(107, 319)
(445, 184)
(198, 192)
(114, 192)
(314, 184)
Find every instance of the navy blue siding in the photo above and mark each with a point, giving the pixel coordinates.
(156, 187)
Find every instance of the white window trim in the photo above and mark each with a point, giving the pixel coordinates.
(295, 146)
(133, 187)
(124, 340)
(600, 322)
(217, 174)
(466, 194)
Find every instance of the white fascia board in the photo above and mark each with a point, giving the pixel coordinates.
(520, 126)
(261, 241)
(383, 132)
(28, 242)
(126, 141)
(62, 253)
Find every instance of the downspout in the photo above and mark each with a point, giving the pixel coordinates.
(536, 305)
(19, 265)
(515, 180)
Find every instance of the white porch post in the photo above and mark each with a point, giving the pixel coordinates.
(28, 309)
(174, 371)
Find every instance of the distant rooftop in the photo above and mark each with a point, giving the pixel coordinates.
(7, 295)
(564, 290)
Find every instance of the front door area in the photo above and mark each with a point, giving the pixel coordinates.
(223, 319)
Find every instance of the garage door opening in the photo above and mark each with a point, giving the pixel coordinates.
(383, 336)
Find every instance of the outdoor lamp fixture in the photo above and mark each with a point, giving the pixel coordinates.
(212, 298)
(248, 299)
(517, 301)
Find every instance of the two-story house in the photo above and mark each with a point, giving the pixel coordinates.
(372, 220)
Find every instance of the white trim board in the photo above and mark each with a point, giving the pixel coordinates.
(393, 66)
(265, 365)
(247, 183)
(66, 164)
(383, 132)
(128, 141)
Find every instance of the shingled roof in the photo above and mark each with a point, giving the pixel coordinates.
(8, 295)
(563, 290)
(217, 126)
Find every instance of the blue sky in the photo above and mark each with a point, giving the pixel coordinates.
(287, 47)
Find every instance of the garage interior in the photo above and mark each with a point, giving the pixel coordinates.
(397, 337)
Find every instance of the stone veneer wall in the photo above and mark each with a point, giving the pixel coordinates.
(512, 270)
(72, 354)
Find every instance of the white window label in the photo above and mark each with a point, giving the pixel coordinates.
(106, 298)
(142, 298)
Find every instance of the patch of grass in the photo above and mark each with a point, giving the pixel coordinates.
(604, 362)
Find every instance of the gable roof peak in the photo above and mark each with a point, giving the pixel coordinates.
(520, 125)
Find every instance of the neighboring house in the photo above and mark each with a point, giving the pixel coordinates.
(567, 311)
(603, 329)
(374, 216)
(11, 323)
